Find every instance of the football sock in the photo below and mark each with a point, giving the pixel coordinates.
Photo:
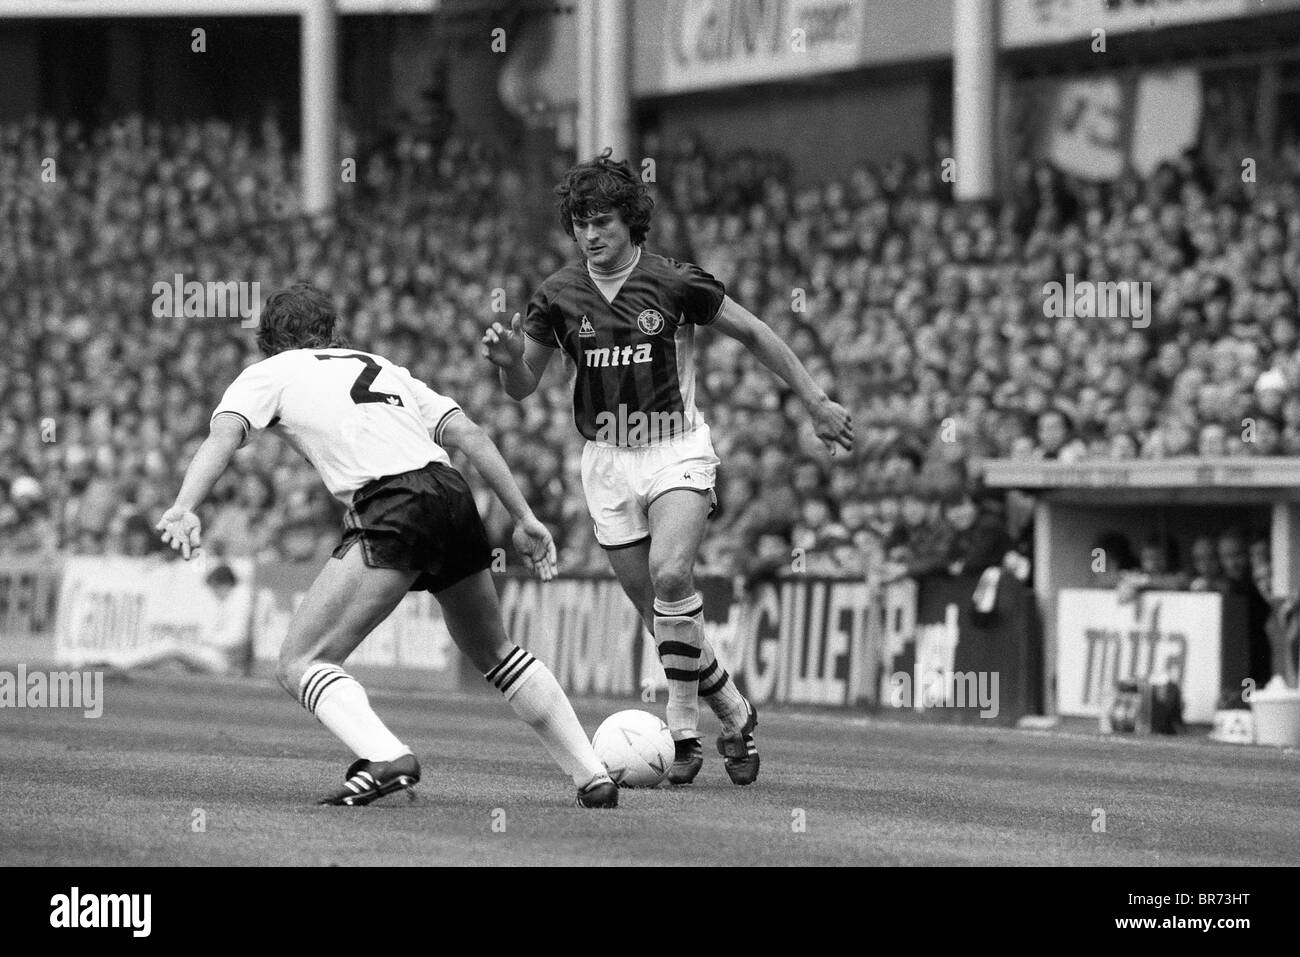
(679, 634)
(539, 700)
(340, 703)
(720, 691)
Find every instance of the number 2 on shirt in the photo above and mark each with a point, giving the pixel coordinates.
(361, 385)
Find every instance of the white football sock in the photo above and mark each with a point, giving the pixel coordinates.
(340, 703)
(679, 634)
(539, 700)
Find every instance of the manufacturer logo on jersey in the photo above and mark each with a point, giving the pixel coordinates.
(650, 322)
(585, 331)
(625, 356)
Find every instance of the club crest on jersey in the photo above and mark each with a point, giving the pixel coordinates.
(650, 322)
(585, 331)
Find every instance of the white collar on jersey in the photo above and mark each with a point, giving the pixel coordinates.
(618, 273)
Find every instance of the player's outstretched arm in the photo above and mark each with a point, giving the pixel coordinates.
(179, 525)
(830, 419)
(531, 538)
(519, 360)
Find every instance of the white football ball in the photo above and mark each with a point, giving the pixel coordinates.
(636, 747)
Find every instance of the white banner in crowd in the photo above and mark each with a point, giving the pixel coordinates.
(1085, 128)
(126, 612)
(1166, 118)
(1101, 641)
(712, 43)
(1028, 23)
(1090, 131)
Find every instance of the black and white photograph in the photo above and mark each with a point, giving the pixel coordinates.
(652, 433)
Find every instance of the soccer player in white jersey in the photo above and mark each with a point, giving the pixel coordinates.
(376, 435)
(627, 318)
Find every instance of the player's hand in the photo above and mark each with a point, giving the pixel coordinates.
(832, 424)
(534, 543)
(504, 347)
(181, 529)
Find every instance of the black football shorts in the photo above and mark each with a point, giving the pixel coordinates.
(424, 520)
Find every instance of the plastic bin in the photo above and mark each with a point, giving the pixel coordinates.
(1277, 717)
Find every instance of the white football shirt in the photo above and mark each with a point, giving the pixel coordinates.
(354, 415)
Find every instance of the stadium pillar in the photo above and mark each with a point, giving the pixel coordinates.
(319, 27)
(586, 123)
(604, 78)
(1285, 547)
(974, 93)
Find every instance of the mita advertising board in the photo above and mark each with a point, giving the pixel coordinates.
(1196, 639)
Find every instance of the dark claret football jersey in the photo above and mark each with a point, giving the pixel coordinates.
(635, 354)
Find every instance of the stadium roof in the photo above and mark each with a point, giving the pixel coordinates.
(212, 8)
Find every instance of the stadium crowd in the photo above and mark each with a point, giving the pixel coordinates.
(923, 316)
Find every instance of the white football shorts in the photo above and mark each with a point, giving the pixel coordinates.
(621, 482)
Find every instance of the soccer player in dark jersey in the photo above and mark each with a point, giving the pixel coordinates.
(378, 437)
(627, 318)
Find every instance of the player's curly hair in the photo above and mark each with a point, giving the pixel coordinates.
(300, 317)
(602, 184)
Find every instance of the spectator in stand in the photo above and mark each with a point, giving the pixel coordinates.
(9, 520)
(816, 520)
(1284, 641)
(1212, 441)
(1261, 566)
(1158, 564)
(238, 528)
(1291, 426)
(975, 538)
(304, 540)
(846, 558)
(1156, 571)
(1271, 391)
(1056, 438)
(32, 531)
(1267, 435)
(919, 539)
(886, 518)
(1235, 561)
(1112, 558)
(767, 556)
(1207, 573)
(1122, 447)
(1019, 509)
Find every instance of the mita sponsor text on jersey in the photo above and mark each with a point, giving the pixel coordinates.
(634, 351)
(607, 356)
